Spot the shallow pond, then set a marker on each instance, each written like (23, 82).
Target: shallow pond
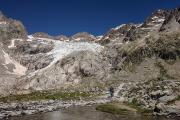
(87, 113)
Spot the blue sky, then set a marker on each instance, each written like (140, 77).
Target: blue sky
(68, 17)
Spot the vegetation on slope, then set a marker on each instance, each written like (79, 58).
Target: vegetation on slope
(119, 108)
(46, 95)
(166, 47)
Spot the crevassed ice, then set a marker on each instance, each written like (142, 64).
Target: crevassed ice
(62, 49)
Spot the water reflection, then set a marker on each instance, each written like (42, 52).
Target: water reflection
(86, 113)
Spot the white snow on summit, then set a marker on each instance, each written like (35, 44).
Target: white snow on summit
(116, 28)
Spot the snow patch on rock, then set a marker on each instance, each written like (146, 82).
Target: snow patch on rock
(30, 37)
(19, 69)
(3, 23)
(116, 28)
(12, 45)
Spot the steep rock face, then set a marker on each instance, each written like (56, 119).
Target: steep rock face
(172, 20)
(134, 39)
(11, 29)
(156, 17)
(76, 71)
(9, 71)
(151, 25)
(130, 56)
(116, 34)
(83, 36)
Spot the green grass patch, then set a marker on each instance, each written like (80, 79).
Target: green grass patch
(110, 108)
(178, 98)
(134, 104)
(119, 108)
(44, 95)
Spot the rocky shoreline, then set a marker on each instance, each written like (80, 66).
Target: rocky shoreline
(27, 108)
(13, 109)
(159, 96)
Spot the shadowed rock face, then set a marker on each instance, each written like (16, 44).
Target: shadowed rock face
(116, 34)
(156, 17)
(172, 21)
(11, 29)
(34, 55)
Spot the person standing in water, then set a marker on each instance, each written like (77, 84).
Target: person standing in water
(111, 91)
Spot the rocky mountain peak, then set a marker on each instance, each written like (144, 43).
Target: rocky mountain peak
(62, 38)
(117, 33)
(157, 17)
(42, 35)
(172, 20)
(83, 36)
(11, 29)
(2, 17)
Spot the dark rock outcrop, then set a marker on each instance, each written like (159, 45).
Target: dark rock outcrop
(172, 20)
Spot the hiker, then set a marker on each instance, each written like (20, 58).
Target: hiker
(111, 91)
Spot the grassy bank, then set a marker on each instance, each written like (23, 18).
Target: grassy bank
(114, 108)
(110, 108)
(118, 108)
(44, 95)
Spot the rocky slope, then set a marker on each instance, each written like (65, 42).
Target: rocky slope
(83, 36)
(144, 57)
(11, 32)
